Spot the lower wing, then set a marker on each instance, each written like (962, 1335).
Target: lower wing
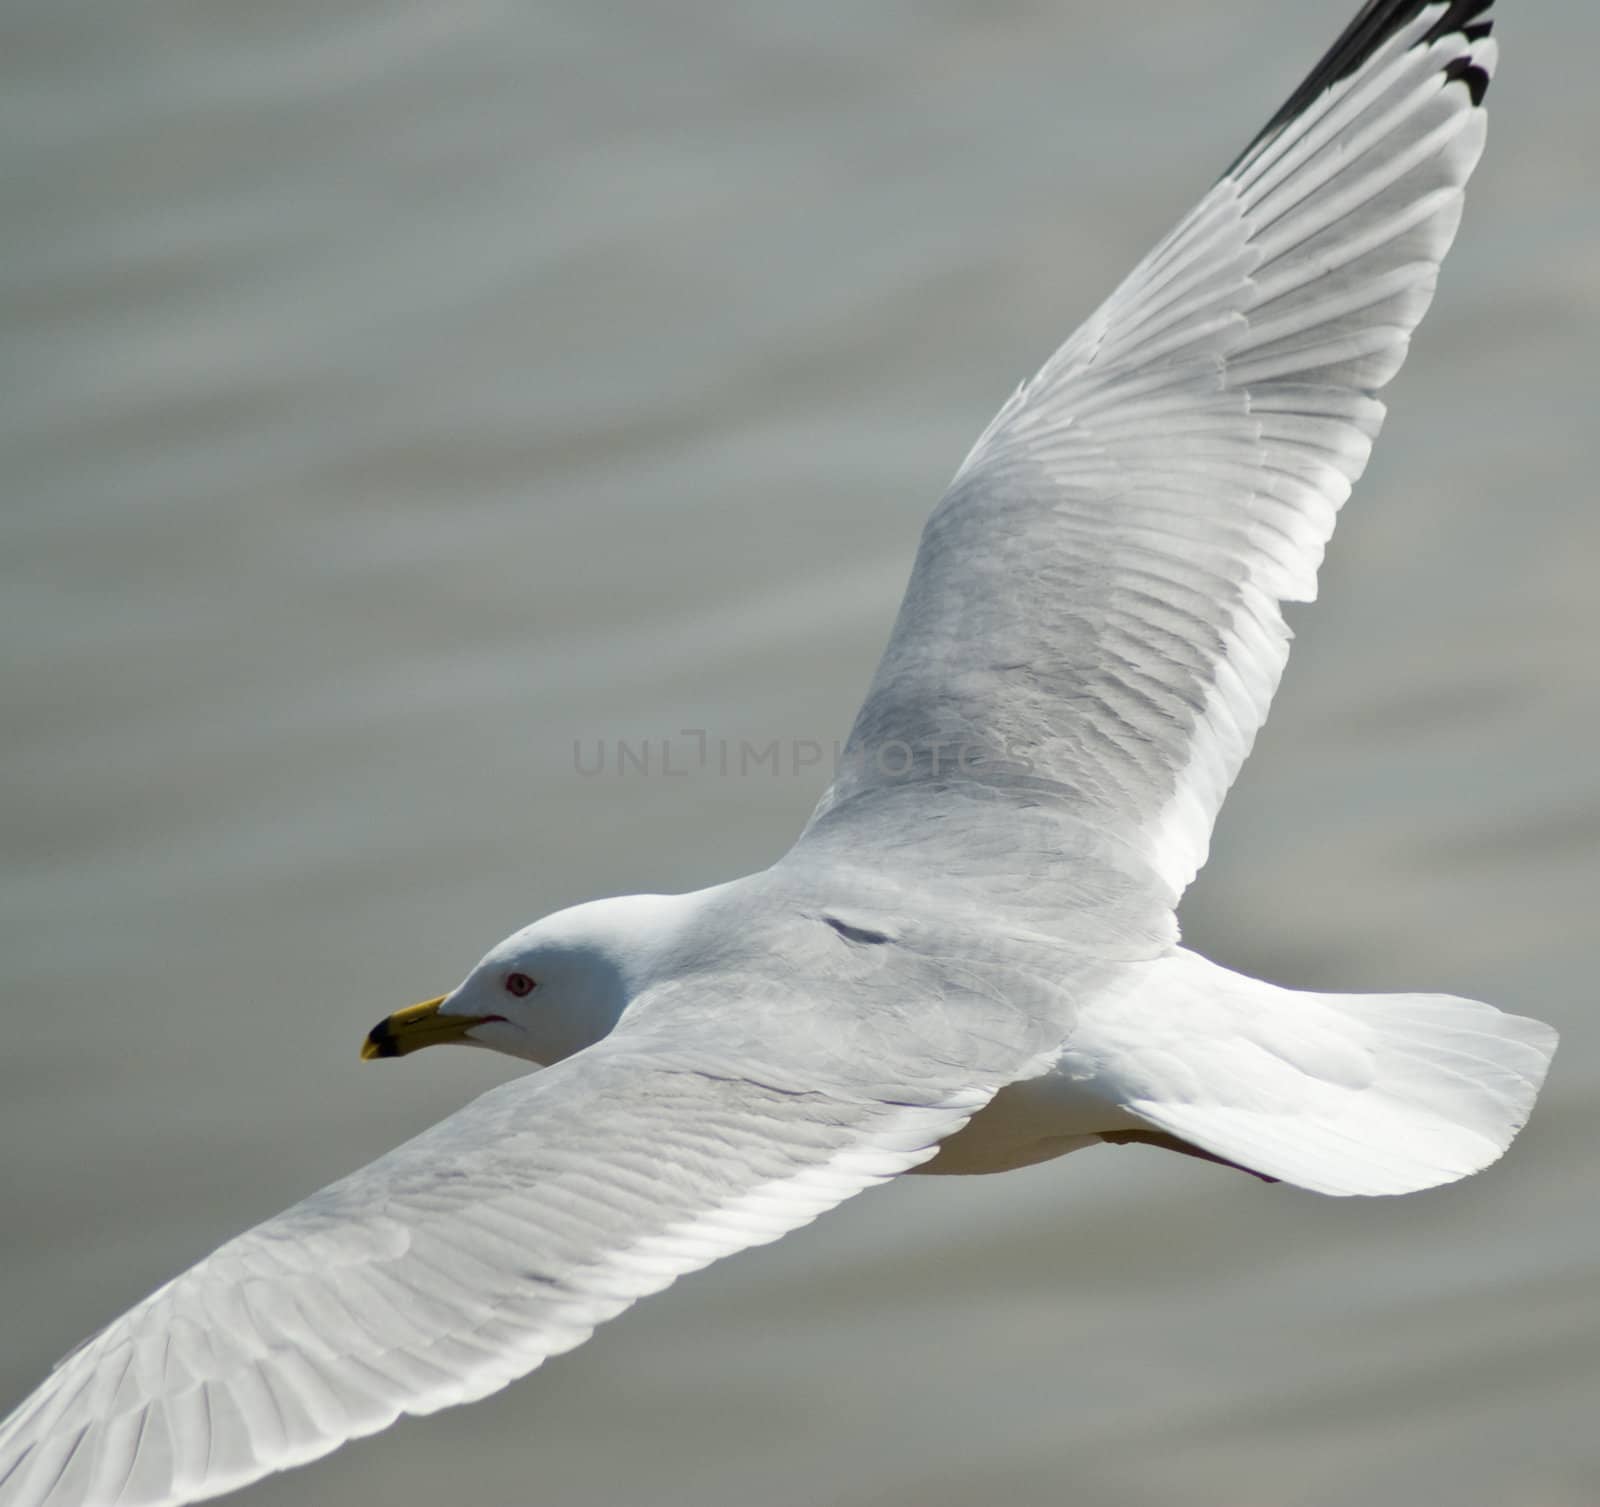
(446, 1269)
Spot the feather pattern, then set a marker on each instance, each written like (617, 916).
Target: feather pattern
(1093, 627)
(450, 1266)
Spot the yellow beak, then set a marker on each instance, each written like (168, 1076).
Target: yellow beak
(415, 1027)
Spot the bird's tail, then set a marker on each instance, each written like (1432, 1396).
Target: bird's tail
(1339, 1093)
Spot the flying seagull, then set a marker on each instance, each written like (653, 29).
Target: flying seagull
(969, 960)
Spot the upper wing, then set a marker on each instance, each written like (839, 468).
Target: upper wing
(446, 1269)
(1092, 628)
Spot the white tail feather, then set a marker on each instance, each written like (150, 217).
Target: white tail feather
(1339, 1093)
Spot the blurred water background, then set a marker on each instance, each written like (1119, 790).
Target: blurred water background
(399, 394)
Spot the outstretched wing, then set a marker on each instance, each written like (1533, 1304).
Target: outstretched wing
(1092, 629)
(446, 1269)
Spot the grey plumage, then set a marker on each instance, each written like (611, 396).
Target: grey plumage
(970, 956)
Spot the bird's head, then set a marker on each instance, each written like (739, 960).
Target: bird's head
(548, 990)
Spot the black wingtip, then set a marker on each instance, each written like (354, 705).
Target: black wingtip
(1469, 73)
(1377, 21)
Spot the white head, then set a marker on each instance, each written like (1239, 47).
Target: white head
(548, 990)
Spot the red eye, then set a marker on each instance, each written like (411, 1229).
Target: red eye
(519, 984)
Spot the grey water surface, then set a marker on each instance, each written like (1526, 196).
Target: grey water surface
(410, 408)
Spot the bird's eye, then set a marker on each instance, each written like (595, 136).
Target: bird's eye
(519, 984)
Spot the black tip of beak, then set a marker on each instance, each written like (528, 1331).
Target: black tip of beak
(380, 1042)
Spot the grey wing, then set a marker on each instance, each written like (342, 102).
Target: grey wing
(1092, 630)
(446, 1269)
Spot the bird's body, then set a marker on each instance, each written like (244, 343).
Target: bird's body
(970, 959)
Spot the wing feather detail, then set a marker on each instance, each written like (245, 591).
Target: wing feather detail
(445, 1270)
(1094, 620)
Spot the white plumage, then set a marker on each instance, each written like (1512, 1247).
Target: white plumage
(456, 1263)
(1106, 569)
(969, 960)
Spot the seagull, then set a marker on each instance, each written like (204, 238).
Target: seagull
(969, 960)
